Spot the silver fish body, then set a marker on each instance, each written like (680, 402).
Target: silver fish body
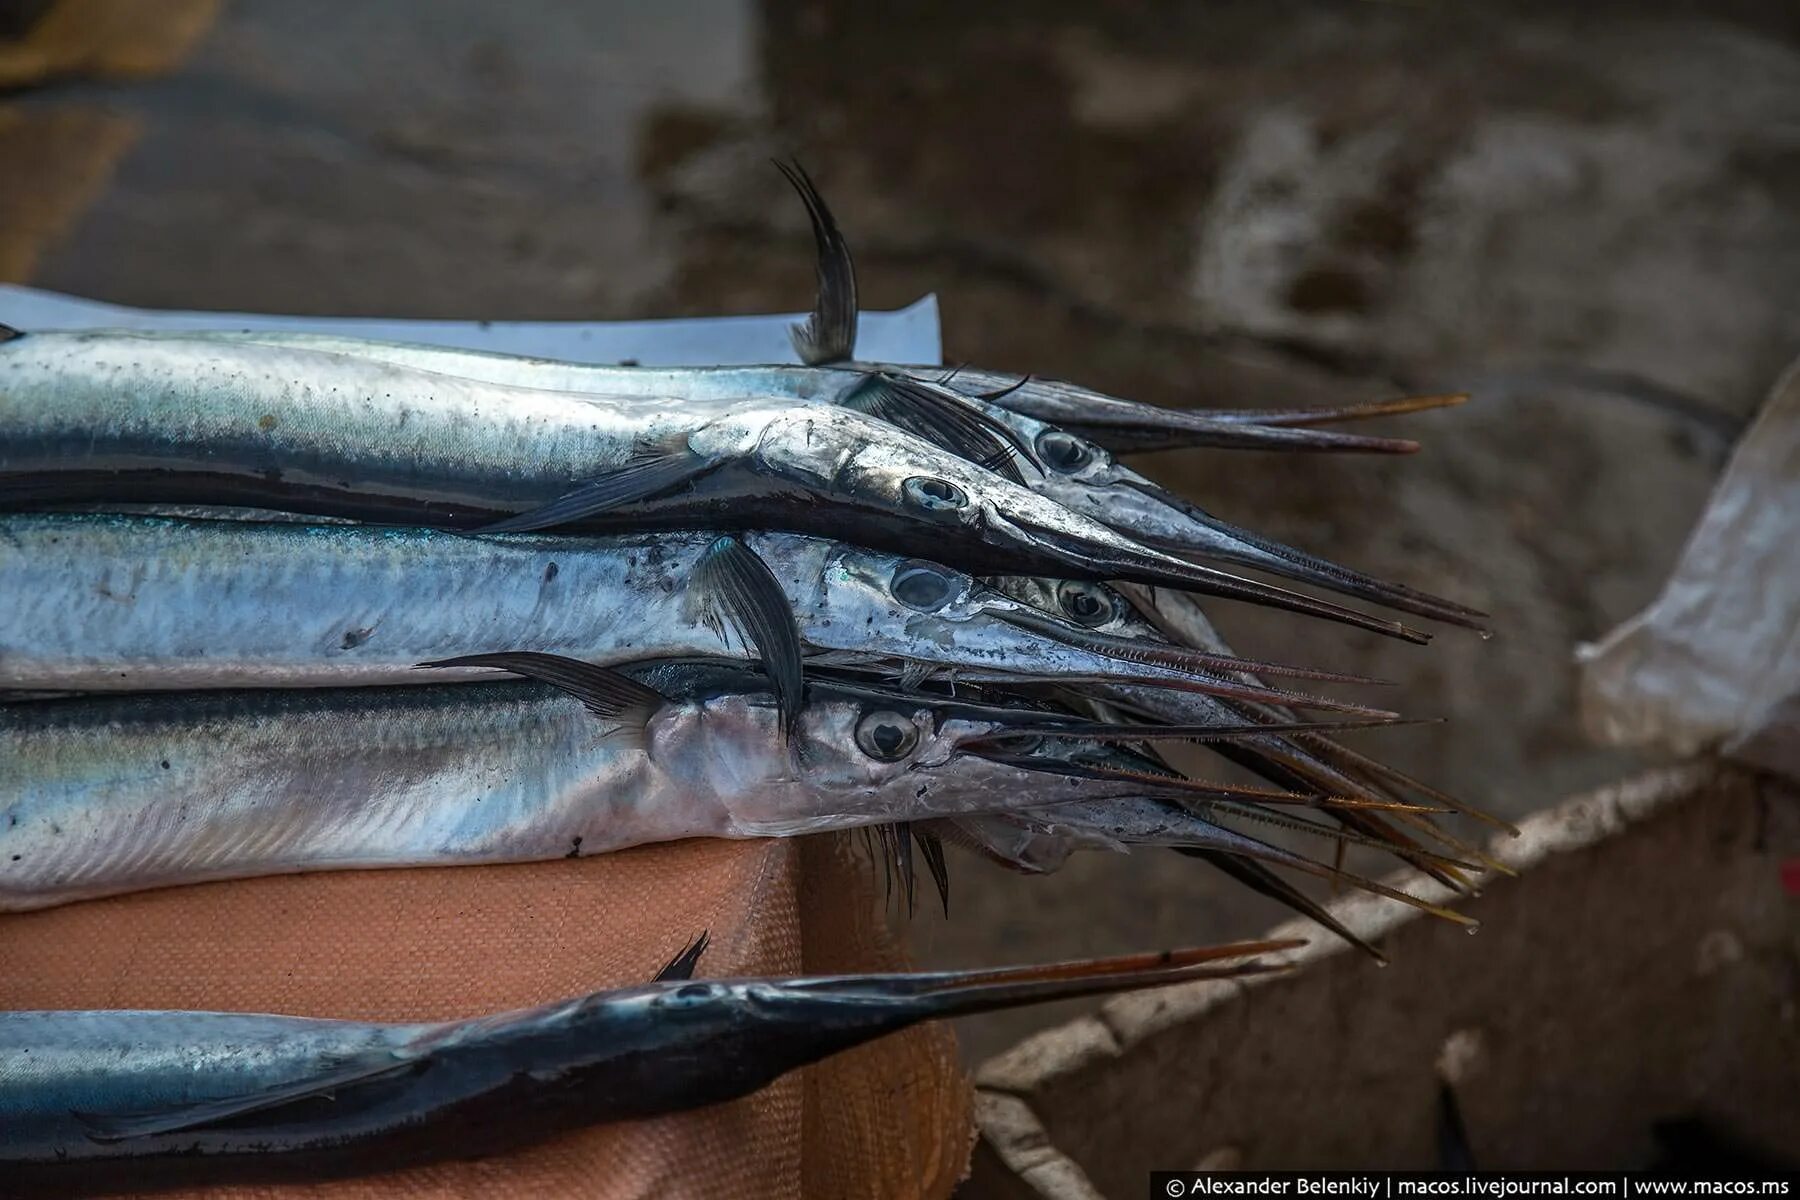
(101, 602)
(1119, 425)
(94, 1102)
(1069, 469)
(108, 417)
(111, 794)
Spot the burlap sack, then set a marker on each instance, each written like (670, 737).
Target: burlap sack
(890, 1119)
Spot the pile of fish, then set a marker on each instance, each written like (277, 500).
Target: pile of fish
(286, 603)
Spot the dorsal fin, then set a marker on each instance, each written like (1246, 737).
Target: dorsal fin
(828, 334)
(683, 964)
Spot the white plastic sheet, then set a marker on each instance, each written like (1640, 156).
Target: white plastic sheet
(1711, 662)
(907, 336)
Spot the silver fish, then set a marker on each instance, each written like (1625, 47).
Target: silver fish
(1063, 466)
(95, 1102)
(1080, 474)
(112, 794)
(132, 603)
(107, 417)
(1060, 465)
(1121, 426)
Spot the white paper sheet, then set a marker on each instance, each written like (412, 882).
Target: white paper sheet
(907, 336)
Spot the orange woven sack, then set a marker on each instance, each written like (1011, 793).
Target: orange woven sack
(889, 1119)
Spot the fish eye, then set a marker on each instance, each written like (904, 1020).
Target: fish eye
(922, 586)
(1064, 451)
(886, 735)
(1085, 603)
(934, 495)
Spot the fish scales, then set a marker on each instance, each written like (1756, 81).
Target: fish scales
(103, 602)
(109, 417)
(103, 795)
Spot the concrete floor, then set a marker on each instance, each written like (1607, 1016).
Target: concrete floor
(1590, 219)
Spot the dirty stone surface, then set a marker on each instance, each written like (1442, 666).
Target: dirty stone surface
(1587, 216)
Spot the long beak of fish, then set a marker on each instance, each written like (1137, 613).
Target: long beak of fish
(1173, 827)
(999, 748)
(979, 725)
(1009, 736)
(958, 993)
(1187, 670)
(1161, 519)
(1362, 410)
(1291, 429)
(1127, 426)
(1119, 557)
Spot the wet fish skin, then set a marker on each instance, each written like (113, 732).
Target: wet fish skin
(98, 416)
(103, 602)
(1071, 470)
(116, 417)
(104, 1101)
(1122, 426)
(102, 795)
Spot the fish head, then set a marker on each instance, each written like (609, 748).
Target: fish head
(913, 485)
(1093, 607)
(931, 603)
(1084, 477)
(886, 591)
(868, 748)
(900, 756)
(943, 621)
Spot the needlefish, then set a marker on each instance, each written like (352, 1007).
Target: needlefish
(102, 602)
(102, 418)
(991, 428)
(93, 1102)
(1057, 464)
(108, 794)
